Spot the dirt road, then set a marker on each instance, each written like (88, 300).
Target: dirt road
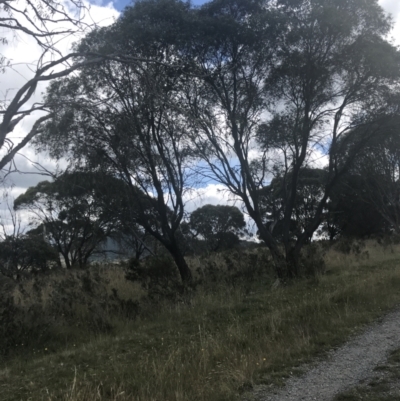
(344, 367)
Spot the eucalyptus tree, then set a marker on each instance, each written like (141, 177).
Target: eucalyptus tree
(349, 213)
(219, 225)
(231, 55)
(336, 86)
(126, 119)
(310, 190)
(378, 171)
(20, 251)
(71, 214)
(28, 253)
(251, 87)
(287, 80)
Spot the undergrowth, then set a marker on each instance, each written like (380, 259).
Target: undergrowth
(236, 330)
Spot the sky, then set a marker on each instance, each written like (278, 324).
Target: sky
(22, 50)
(121, 4)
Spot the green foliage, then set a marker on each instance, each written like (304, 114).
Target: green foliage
(237, 268)
(73, 213)
(30, 253)
(377, 170)
(349, 246)
(350, 214)
(21, 328)
(227, 92)
(227, 340)
(274, 197)
(62, 306)
(158, 275)
(137, 132)
(312, 262)
(219, 225)
(153, 25)
(305, 82)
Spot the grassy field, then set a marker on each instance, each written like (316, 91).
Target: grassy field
(232, 334)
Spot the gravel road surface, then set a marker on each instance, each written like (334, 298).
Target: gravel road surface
(345, 367)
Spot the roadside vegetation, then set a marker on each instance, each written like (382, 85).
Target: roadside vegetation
(93, 335)
(290, 107)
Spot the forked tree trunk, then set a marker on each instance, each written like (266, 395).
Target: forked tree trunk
(278, 258)
(285, 259)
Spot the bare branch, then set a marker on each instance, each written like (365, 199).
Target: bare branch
(34, 131)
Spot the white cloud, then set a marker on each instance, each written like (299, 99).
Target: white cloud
(25, 55)
(22, 50)
(392, 7)
(213, 194)
(216, 194)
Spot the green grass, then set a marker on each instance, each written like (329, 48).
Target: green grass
(228, 339)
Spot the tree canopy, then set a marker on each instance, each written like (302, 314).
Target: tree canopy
(237, 92)
(219, 225)
(310, 189)
(71, 214)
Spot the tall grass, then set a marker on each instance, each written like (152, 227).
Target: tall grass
(230, 337)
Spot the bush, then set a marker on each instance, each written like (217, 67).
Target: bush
(65, 305)
(158, 275)
(312, 262)
(235, 268)
(349, 246)
(22, 328)
(28, 253)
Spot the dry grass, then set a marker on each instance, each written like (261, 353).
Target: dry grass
(103, 278)
(216, 348)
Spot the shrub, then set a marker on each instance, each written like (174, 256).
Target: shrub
(349, 246)
(234, 268)
(65, 305)
(158, 275)
(27, 253)
(312, 261)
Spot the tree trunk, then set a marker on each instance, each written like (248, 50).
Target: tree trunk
(277, 256)
(286, 264)
(66, 260)
(184, 270)
(280, 265)
(292, 261)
